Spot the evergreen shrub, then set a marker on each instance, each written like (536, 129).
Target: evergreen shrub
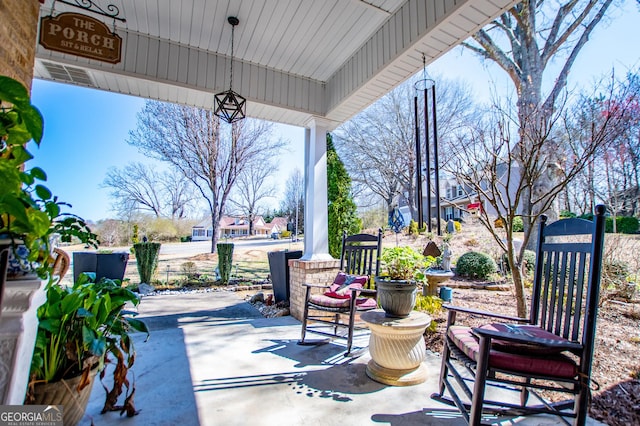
(475, 265)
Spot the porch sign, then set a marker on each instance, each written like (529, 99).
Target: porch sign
(80, 35)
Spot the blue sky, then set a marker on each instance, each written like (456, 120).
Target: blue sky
(86, 129)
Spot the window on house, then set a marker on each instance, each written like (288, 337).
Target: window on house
(448, 213)
(198, 232)
(460, 191)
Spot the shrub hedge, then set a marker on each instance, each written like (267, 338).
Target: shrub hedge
(475, 265)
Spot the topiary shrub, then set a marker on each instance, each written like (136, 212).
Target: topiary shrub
(225, 260)
(475, 265)
(146, 260)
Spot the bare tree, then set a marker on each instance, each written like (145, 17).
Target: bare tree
(141, 187)
(523, 41)
(209, 154)
(501, 170)
(293, 203)
(613, 175)
(253, 186)
(134, 186)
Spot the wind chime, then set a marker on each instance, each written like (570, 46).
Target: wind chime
(426, 89)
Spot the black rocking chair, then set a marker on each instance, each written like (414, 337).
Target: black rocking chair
(348, 295)
(551, 350)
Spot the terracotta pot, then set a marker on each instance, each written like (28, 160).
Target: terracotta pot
(396, 297)
(64, 393)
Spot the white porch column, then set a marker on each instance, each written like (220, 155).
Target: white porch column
(316, 243)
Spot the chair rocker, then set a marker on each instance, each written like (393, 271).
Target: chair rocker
(552, 350)
(336, 305)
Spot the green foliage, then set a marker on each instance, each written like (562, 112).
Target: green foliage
(28, 210)
(624, 224)
(413, 227)
(404, 263)
(566, 214)
(285, 234)
(225, 260)
(343, 214)
(475, 265)
(429, 304)
(147, 260)
(79, 325)
(432, 305)
(517, 225)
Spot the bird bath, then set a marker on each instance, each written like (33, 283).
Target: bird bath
(435, 277)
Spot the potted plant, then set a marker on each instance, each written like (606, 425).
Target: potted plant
(78, 327)
(30, 215)
(402, 270)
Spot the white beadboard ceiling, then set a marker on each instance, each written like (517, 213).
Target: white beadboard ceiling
(293, 59)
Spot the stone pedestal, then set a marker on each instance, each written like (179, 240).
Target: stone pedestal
(18, 328)
(397, 348)
(435, 277)
(312, 272)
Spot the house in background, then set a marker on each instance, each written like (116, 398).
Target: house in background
(276, 226)
(230, 227)
(458, 201)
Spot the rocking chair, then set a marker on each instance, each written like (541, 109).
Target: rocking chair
(551, 350)
(348, 295)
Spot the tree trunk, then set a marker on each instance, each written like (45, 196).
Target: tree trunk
(215, 224)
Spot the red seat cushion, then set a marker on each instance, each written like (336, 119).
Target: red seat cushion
(524, 348)
(362, 303)
(556, 365)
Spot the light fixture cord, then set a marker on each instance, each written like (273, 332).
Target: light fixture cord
(233, 27)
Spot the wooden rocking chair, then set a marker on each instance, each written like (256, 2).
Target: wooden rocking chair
(551, 350)
(349, 294)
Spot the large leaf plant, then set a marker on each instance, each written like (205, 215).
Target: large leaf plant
(80, 326)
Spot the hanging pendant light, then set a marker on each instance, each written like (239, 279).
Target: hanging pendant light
(229, 105)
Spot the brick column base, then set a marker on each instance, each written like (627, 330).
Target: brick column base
(308, 271)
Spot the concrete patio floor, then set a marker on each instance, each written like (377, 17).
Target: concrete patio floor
(212, 359)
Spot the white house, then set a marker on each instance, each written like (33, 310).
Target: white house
(230, 227)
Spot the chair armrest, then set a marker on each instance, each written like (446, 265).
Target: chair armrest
(484, 313)
(525, 337)
(365, 291)
(316, 285)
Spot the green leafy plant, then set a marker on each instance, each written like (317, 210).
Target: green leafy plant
(78, 327)
(404, 263)
(225, 261)
(30, 214)
(146, 260)
(413, 227)
(517, 225)
(475, 265)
